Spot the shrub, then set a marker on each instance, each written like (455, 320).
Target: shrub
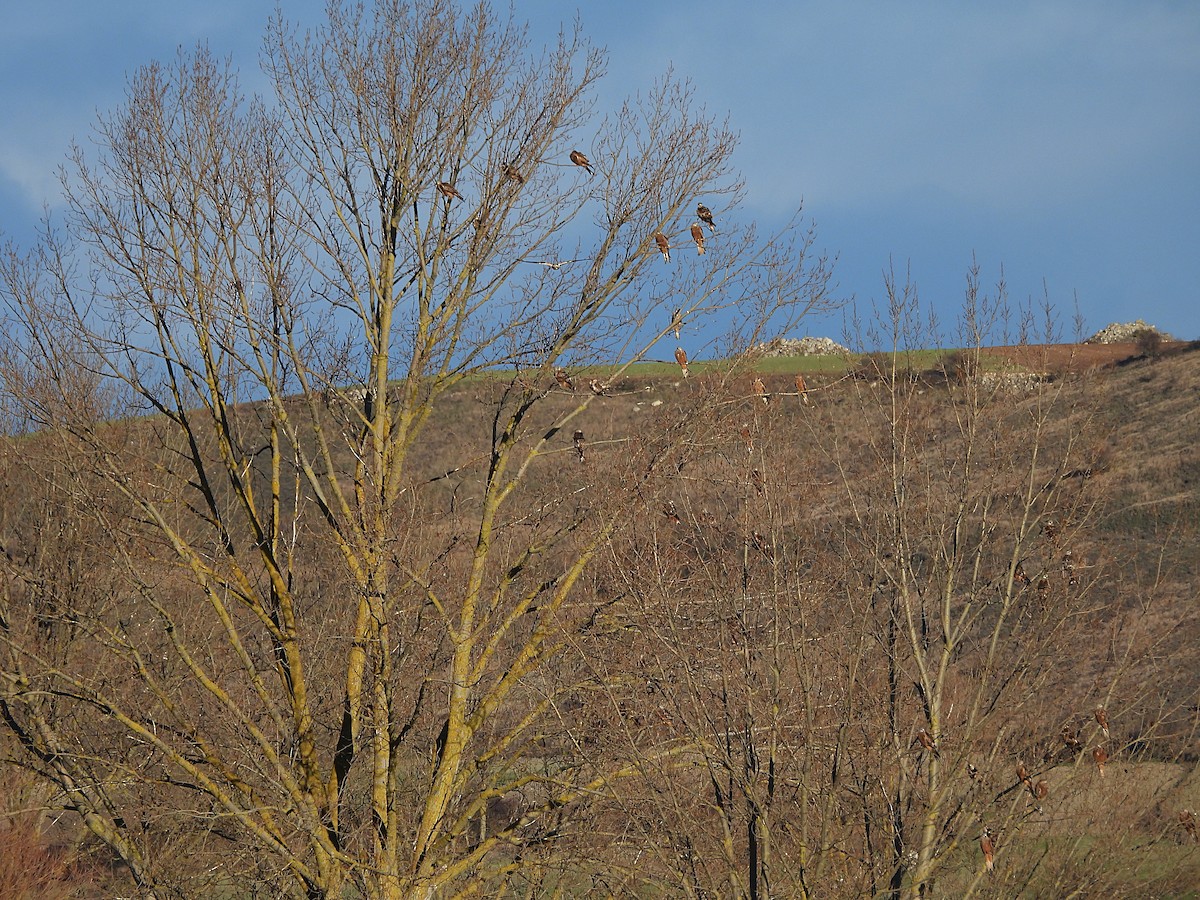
(1149, 343)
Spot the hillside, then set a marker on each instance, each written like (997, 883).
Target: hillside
(806, 610)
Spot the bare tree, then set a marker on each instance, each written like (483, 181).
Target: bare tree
(869, 622)
(318, 660)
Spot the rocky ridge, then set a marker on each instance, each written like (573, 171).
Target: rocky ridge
(805, 346)
(1123, 333)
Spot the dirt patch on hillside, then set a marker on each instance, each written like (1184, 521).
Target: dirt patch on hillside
(1066, 357)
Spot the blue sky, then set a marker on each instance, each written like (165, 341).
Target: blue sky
(1058, 139)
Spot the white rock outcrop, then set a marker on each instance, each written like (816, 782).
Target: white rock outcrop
(805, 346)
(1123, 333)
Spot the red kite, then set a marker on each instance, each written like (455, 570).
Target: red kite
(802, 388)
(1069, 738)
(560, 375)
(988, 846)
(664, 246)
(598, 387)
(760, 390)
(1041, 789)
(582, 161)
(1023, 775)
(681, 358)
(677, 322)
(698, 237)
(577, 442)
(1102, 719)
(705, 215)
(925, 739)
(1187, 819)
(1100, 755)
(446, 189)
(514, 173)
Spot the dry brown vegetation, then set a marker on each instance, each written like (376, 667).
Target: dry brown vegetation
(326, 572)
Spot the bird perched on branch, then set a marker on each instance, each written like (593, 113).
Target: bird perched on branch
(564, 381)
(677, 322)
(513, 173)
(1187, 819)
(681, 358)
(577, 442)
(664, 246)
(1100, 755)
(926, 740)
(802, 388)
(1041, 789)
(705, 215)
(1023, 776)
(597, 387)
(698, 237)
(1102, 719)
(1071, 740)
(760, 391)
(447, 190)
(988, 846)
(582, 161)
(756, 477)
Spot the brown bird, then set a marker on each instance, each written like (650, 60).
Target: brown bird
(671, 512)
(705, 215)
(1020, 576)
(1187, 819)
(577, 442)
(760, 390)
(925, 739)
(582, 161)
(677, 322)
(681, 358)
(597, 387)
(514, 174)
(1102, 719)
(1041, 789)
(1023, 775)
(761, 545)
(1073, 743)
(560, 375)
(698, 237)
(988, 846)
(1100, 755)
(664, 246)
(802, 388)
(748, 438)
(759, 485)
(446, 189)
